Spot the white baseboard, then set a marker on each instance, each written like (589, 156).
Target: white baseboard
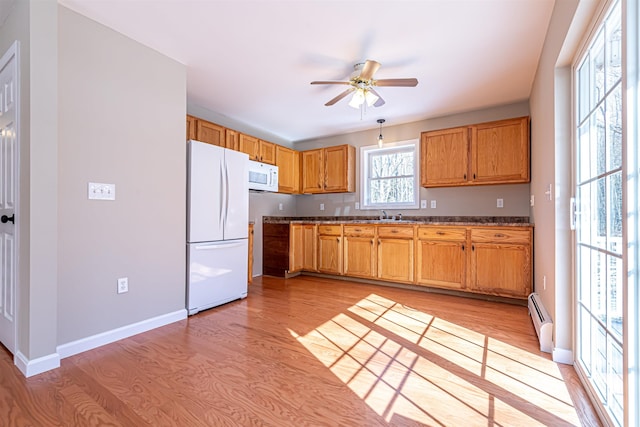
(562, 355)
(88, 343)
(37, 366)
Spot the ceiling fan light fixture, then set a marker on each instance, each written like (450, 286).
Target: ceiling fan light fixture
(357, 99)
(370, 97)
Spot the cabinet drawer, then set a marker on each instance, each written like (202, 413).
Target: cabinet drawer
(442, 233)
(397, 231)
(331, 230)
(359, 230)
(499, 235)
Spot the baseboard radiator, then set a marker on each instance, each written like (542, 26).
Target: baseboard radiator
(542, 322)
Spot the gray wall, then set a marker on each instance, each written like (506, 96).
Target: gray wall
(121, 116)
(460, 201)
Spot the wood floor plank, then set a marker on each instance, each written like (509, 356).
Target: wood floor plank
(311, 351)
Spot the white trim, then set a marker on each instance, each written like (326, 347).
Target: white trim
(562, 355)
(37, 366)
(89, 343)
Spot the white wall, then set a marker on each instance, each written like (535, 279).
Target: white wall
(121, 120)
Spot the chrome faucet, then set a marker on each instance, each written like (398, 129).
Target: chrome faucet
(383, 215)
(399, 216)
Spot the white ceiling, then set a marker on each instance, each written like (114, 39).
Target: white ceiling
(252, 60)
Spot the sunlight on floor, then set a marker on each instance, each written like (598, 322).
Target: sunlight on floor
(404, 362)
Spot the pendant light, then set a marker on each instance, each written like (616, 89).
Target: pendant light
(380, 139)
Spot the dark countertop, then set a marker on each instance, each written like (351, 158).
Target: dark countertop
(511, 221)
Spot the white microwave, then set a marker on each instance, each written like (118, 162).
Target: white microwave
(263, 177)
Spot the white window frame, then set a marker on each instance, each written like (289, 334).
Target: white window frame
(366, 152)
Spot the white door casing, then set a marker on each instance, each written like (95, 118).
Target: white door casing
(9, 150)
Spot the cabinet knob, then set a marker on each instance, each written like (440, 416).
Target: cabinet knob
(463, 247)
(440, 233)
(338, 239)
(499, 235)
(465, 176)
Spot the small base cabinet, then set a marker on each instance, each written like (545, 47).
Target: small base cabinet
(395, 253)
(330, 249)
(441, 257)
(360, 251)
(501, 261)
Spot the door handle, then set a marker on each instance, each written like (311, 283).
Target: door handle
(6, 219)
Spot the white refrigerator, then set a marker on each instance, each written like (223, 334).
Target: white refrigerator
(217, 225)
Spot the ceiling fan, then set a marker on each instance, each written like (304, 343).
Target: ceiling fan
(362, 83)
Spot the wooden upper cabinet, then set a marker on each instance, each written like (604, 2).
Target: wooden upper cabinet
(444, 157)
(340, 169)
(232, 140)
(313, 171)
(210, 133)
(191, 127)
(250, 145)
(487, 153)
(329, 170)
(267, 152)
(288, 162)
(500, 151)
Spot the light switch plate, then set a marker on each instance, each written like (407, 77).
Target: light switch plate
(100, 191)
(433, 204)
(357, 205)
(321, 206)
(500, 203)
(423, 204)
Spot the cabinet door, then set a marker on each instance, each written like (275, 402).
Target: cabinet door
(330, 254)
(444, 157)
(309, 261)
(191, 127)
(232, 139)
(296, 247)
(210, 133)
(395, 259)
(441, 264)
(500, 151)
(267, 152)
(288, 162)
(359, 256)
(313, 171)
(251, 146)
(501, 269)
(339, 169)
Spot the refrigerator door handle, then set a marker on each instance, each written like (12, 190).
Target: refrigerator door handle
(223, 190)
(215, 246)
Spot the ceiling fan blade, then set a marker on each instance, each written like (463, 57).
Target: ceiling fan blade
(339, 97)
(330, 82)
(396, 82)
(380, 101)
(369, 69)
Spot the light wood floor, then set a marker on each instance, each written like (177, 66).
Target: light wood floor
(312, 352)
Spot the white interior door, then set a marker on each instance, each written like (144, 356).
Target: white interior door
(8, 194)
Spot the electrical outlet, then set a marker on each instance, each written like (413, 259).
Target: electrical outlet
(544, 282)
(357, 205)
(423, 204)
(321, 206)
(500, 203)
(123, 285)
(280, 207)
(433, 204)
(532, 200)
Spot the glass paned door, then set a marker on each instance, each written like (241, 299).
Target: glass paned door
(599, 226)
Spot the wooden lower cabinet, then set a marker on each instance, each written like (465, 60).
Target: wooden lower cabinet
(330, 249)
(501, 261)
(360, 251)
(441, 257)
(395, 253)
(484, 259)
